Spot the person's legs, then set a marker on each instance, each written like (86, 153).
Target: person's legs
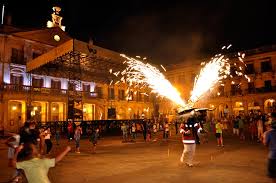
(221, 140)
(183, 153)
(77, 145)
(48, 146)
(191, 152)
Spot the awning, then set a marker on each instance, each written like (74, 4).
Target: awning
(74, 55)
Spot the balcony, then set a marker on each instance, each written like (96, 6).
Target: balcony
(10, 88)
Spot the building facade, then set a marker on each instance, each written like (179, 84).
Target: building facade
(234, 95)
(47, 95)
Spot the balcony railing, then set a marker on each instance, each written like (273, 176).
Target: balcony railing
(47, 91)
(261, 90)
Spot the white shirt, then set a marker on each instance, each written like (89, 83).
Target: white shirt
(48, 135)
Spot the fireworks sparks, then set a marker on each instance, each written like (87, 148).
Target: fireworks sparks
(140, 74)
(213, 72)
(209, 76)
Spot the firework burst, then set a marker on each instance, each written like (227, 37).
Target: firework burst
(139, 74)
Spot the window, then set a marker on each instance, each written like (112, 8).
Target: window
(250, 69)
(266, 66)
(111, 94)
(99, 91)
(16, 80)
(37, 82)
(55, 84)
(121, 94)
(86, 87)
(251, 87)
(268, 86)
(17, 56)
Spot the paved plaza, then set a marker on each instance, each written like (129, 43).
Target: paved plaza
(156, 162)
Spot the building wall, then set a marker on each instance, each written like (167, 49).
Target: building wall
(49, 104)
(229, 102)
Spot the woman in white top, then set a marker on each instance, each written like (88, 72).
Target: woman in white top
(48, 141)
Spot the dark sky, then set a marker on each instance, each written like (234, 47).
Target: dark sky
(164, 31)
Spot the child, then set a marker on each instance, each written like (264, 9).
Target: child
(219, 127)
(36, 169)
(12, 143)
(94, 139)
(77, 136)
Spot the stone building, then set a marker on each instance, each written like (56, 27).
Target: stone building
(34, 82)
(235, 95)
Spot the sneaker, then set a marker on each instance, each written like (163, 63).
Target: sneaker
(78, 152)
(189, 165)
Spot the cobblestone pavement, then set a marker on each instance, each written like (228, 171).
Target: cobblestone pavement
(237, 162)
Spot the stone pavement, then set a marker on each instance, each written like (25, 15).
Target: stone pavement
(238, 162)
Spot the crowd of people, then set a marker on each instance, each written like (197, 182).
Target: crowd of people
(31, 146)
(29, 150)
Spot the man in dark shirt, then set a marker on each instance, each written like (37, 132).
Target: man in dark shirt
(270, 141)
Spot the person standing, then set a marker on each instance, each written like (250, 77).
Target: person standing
(260, 128)
(124, 131)
(188, 132)
(48, 141)
(270, 142)
(219, 127)
(77, 137)
(144, 129)
(94, 139)
(154, 129)
(167, 131)
(241, 128)
(236, 126)
(69, 130)
(133, 132)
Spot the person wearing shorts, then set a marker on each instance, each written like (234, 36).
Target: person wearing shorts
(219, 127)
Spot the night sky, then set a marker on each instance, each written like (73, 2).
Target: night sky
(164, 31)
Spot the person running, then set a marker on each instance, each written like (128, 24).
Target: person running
(270, 142)
(77, 137)
(35, 168)
(94, 139)
(219, 127)
(48, 142)
(188, 132)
